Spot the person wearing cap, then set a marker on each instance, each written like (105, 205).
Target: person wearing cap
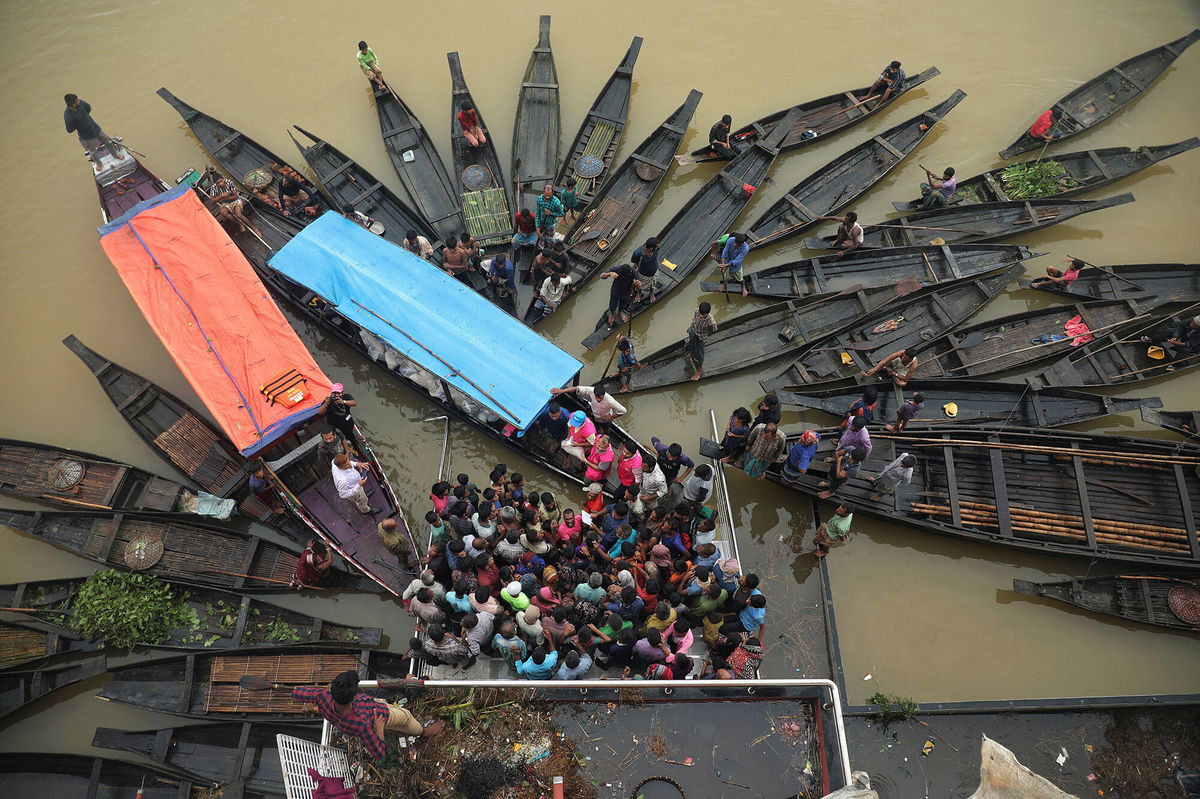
(898, 471)
(890, 81)
(835, 528)
(800, 456)
(361, 219)
(595, 499)
(846, 463)
(581, 434)
(1060, 278)
(604, 406)
(703, 325)
(417, 244)
(732, 255)
(514, 597)
(938, 192)
(906, 412)
(850, 234)
(620, 294)
(368, 62)
(718, 138)
(906, 363)
(336, 410)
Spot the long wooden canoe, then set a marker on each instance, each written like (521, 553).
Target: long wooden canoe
(238, 757)
(205, 686)
(1086, 170)
(349, 184)
(600, 134)
(762, 335)
(846, 178)
(903, 323)
(1095, 496)
(225, 620)
(242, 158)
(478, 177)
(178, 435)
(1159, 283)
(124, 186)
(36, 640)
(193, 553)
(927, 264)
(77, 479)
(983, 222)
(624, 197)
(1024, 405)
(418, 165)
(1143, 598)
(690, 237)
(57, 774)
(824, 117)
(1119, 357)
(536, 129)
(1185, 423)
(1014, 342)
(21, 687)
(1106, 94)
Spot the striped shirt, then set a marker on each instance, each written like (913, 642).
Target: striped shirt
(359, 722)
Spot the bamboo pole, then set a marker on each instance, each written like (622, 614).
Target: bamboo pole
(1139, 331)
(1092, 331)
(943, 442)
(943, 229)
(1152, 368)
(1104, 270)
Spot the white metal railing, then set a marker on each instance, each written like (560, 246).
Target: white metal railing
(723, 504)
(297, 756)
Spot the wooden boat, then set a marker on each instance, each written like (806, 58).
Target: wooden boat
(418, 165)
(903, 323)
(1119, 357)
(600, 134)
(1086, 170)
(1014, 342)
(226, 620)
(192, 553)
(479, 179)
(122, 183)
(238, 757)
(846, 178)
(205, 686)
(624, 197)
(20, 687)
(33, 640)
(1106, 94)
(536, 128)
(1159, 283)
(176, 433)
(760, 336)
(349, 184)
(690, 237)
(1144, 598)
(976, 401)
(983, 222)
(1115, 498)
(59, 774)
(77, 479)
(927, 264)
(1185, 423)
(251, 165)
(824, 117)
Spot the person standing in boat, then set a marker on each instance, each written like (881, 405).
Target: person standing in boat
(336, 410)
(864, 406)
(368, 62)
(898, 471)
(846, 463)
(938, 192)
(733, 254)
(78, 119)
(525, 233)
(718, 138)
(764, 446)
(469, 121)
(906, 366)
(350, 480)
(313, 566)
(454, 263)
(620, 294)
(647, 261)
(417, 245)
(549, 211)
(849, 235)
(604, 406)
(569, 200)
(906, 412)
(702, 326)
(890, 81)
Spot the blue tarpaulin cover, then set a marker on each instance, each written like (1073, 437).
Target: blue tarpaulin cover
(413, 305)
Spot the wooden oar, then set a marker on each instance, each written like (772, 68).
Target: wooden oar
(252, 682)
(1105, 271)
(851, 107)
(251, 577)
(65, 612)
(943, 229)
(1091, 331)
(1141, 330)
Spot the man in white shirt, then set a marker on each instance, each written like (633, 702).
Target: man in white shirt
(697, 487)
(654, 483)
(604, 406)
(349, 483)
(552, 291)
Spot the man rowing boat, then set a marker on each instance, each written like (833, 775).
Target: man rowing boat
(890, 81)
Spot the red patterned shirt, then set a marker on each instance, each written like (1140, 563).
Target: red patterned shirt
(359, 722)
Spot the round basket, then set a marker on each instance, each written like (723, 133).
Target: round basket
(258, 178)
(476, 177)
(658, 788)
(647, 172)
(143, 551)
(1184, 602)
(66, 473)
(589, 166)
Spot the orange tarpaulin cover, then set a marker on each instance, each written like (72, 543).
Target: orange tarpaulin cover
(213, 314)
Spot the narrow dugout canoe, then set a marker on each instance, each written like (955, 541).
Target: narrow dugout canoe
(1024, 405)
(901, 324)
(238, 757)
(624, 197)
(1185, 423)
(1086, 170)
(1157, 283)
(846, 178)
(226, 620)
(206, 686)
(1116, 498)
(600, 134)
(690, 237)
(824, 117)
(20, 687)
(122, 184)
(1150, 598)
(1106, 94)
(85, 777)
(536, 128)
(34, 640)
(192, 553)
(928, 264)
(983, 222)
(477, 175)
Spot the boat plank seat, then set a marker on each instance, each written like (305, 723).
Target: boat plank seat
(1148, 601)
(1095, 159)
(134, 396)
(94, 778)
(887, 145)
(296, 454)
(114, 527)
(1137, 84)
(649, 161)
(328, 176)
(801, 207)
(528, 85)
(366, 193)
(1000, 491)
(1085, 505)
(160, 494)
(225, 142)
(1185, 501)
(243, 617)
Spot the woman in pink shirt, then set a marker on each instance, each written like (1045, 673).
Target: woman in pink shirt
(440, 496)
(599, 461)
(629, 470)
(581, 434)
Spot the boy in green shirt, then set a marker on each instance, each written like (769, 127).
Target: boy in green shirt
(369, 63)
(835, 529)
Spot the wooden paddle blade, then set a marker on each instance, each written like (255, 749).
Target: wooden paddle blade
(253, 682)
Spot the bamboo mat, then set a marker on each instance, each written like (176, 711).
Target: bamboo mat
(19, 645)
(225, 695)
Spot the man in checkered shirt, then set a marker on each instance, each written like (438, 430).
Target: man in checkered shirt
(360, 715)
